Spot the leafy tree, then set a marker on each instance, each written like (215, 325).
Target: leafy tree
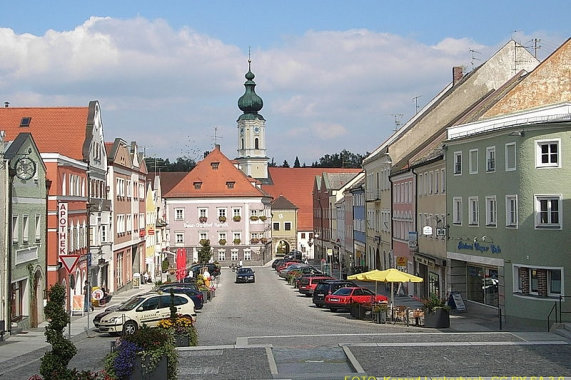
(205, 252)
(54, 363)
(272, 163)
(285, 164)
(344, 159)
(296, 163)
(182, 164)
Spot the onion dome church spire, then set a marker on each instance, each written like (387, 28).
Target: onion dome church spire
(250, 103)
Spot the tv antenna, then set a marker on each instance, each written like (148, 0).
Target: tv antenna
(473, 57)
(397, 117)
(416, 103)
(216, 137)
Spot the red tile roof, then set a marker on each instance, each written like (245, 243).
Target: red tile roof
(296, 184)
(55, 129)
(217, 176)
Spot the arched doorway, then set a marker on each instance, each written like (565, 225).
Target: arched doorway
(37, 299)
(282, 248)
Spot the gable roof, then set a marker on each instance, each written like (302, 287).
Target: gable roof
(60, 130)
(215, 176)
(296, 184)
(282, 203)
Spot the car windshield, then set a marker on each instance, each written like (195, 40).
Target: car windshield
(245, 271)
(343, 292)
(129, 305)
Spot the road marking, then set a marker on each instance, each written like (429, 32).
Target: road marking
(438, 344)
(352, 360)
(271, 361)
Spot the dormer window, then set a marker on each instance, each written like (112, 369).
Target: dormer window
(230, 185)
(214, 165)
(197, 185)
(25, 122)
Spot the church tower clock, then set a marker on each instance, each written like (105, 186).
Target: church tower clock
(252, 132)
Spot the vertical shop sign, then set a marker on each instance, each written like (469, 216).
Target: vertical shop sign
(62, 229)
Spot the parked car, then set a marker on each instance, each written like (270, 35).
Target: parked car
(245, 275)
(146, 309)
(327, 287)
(307, 284)
(283, 273)
(294, 255)
(190, 285)
(277, 262)
(299, 272)
(286, 264)
(342, 298)
(213, 269)
(108, 310)
(195, 295)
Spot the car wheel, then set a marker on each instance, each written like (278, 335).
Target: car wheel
(320, 306)
(129, 328)
(333, 309)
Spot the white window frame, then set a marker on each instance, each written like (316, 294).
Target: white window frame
(473, 154)
(179, 238)
(491, 161)
(508, 153)
(473, 211)
(179, 214)
(202, 212)
(511, 211)
(491, 211)
(443, 179)
(538, 153)
(234, 255)
(537, 211)
(38, 230)
(457, 163)
(236, 211)
(457, 211)
(25, 229)
(221, 254)
(247, 254)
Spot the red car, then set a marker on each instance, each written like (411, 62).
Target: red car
(307, 284)
(343, 298)
(285, 265)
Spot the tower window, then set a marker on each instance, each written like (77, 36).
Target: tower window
(256, 144)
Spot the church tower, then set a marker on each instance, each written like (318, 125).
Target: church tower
(252, 132)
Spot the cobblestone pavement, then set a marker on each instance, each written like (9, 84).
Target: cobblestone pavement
(266, 330)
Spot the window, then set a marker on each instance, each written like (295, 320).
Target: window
(473, 219)
(547, 155)
(202, 236)
(230, 184)
(222, 212)
(103, 233)
(491, 211)
(38, 230)
(221, 254)
(276, 226)
(511, 211)
(25, 228)
(237, 236)
(287, 226)
(537, 281)
(303, 235)
(510, 157)
(430, 177)
(179, 237)
(547, 211)
(554, 281)
(236, 212)
(457, 210)
(420, 184)
(234, 255)
(473, 161)
(203, 212)
(221, 236)
(178, 214)
(129, 189)
(443, 179)
(247, 255)
(197, 185)
(215, 165)
(436, 181)
(457, 163)
(491, 159)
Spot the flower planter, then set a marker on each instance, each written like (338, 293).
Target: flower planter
(437, 318)
(205, 295)
(160, 372)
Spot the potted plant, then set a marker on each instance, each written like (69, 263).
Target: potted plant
(148, 353)
(204, 242)
(236, 241)
(181, 329)
(236, 218)
(254, 241)
(254, 218)
(437, 312)
(203, 219)
(380, 312)
(263, 240)
(263, 218)
(222, 241)
(221, 218)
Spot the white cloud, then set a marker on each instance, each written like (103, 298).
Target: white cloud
(159, 86)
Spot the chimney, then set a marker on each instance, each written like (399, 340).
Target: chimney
(457, 74)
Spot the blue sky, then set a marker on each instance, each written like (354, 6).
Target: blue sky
(333, 74)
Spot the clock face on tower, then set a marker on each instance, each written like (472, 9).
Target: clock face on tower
(256, 130)
(25, 168)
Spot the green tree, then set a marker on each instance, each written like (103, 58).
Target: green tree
(54, 362)
(285, 164)
(344, 159)
(205, 252)
(296, 163)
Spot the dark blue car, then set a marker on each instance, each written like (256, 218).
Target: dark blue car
(192, 293)
(245, 275)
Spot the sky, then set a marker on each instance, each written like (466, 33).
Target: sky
(333, 75)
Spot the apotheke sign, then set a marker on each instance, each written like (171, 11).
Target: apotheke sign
(62, 229)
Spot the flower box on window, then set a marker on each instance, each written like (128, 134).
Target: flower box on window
(263, 240)
(222, 219)
(236, 218)
(222, 241)
(263, 218)
(254, 241)
(202, 219)
(204, 242)
(236, 241)
(254, 218)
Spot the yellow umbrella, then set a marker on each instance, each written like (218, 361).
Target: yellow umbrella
(391, 275)
(363, 276)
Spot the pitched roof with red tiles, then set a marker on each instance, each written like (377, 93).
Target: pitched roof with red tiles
(55, 129)
(296, 184)
(215, 176)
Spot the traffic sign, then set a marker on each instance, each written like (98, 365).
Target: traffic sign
(69, 262)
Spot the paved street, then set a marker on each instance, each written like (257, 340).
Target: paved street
(266, 330)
